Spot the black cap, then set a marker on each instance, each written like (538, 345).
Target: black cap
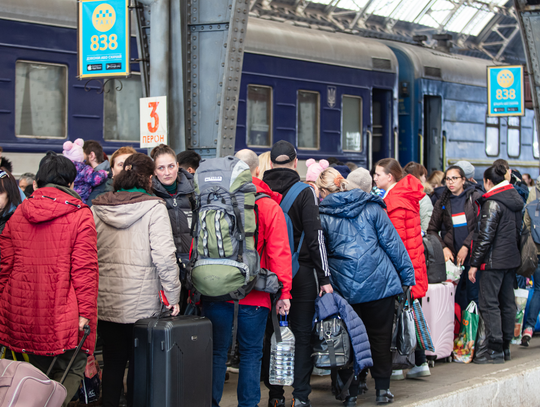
(282, 147)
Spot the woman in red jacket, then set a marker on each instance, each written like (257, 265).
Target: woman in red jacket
(402, 198)
(49, 274)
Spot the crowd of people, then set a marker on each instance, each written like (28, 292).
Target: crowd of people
(107, 234)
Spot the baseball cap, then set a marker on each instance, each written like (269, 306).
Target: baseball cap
(282, 147)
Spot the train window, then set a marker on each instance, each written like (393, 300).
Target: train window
(514, 136)
(40, 100)
(308, 119)
(493, 130)
(351, 122)
(536, 150)
(121, 115)
(259, 116)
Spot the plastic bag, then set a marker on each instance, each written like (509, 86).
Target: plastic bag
(453, 272)
(90, 385)
(404, 336)
(521, 303)
(465, 342)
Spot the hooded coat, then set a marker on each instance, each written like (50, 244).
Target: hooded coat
(403, 207)
(49, 274)
(496, 246)
(136, 255)
(367, 258)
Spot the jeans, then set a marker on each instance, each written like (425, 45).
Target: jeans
(304, 291)
(251, 327)
(498, 306)
(117, 352)
(534, 306)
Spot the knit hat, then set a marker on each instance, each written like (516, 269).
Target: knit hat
(74, 151)
(315, 168)
(360, 179)
(467, 168)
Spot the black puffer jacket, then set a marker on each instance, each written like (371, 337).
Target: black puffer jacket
(441, 220)
(496, 246)
(179, 207)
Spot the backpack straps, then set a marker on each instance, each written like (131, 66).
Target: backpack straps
(291, 196)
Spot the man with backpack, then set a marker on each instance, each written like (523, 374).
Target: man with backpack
(310, 265)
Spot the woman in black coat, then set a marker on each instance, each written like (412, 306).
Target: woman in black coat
(496, 250)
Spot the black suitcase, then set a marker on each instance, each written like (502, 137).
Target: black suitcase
(173, 362)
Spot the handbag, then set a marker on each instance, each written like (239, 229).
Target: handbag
(423, 333)
(404, 335)
(331, 344)
(267, 282)
(400, 362)
(529, 257)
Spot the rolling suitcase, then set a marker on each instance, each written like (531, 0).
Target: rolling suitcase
(173, 362)
(438, 307)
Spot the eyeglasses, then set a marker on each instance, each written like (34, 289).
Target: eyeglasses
(451, 180)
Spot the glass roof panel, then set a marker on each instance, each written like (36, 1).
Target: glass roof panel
(461, 18)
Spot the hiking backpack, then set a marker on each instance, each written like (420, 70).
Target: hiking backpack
(224, 259)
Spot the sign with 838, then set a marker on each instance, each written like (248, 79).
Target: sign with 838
(505, 90)
(103, 38)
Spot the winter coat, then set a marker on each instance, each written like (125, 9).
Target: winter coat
(367, 258)
(87, 179)
(106, 186)
(304, 214)
(136, 255)
(332, 304)
(496, 246)
(49, 274)
(403, 207)
(441, 220)
(534, 192)
(426, 211)
(272, 244)
(179, 208)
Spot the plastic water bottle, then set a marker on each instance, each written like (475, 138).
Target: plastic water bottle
(282, 357)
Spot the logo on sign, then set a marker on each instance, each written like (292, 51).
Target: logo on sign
(505, 78)
(104, 17)
(213, 179)
(331, 97)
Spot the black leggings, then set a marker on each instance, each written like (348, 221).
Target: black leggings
(117, 352)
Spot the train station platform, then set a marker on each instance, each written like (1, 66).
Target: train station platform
(514, 383)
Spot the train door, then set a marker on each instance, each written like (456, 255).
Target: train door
(381, 125)
(431, 140)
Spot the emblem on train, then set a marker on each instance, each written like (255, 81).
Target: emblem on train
(505, 78)
(331, 97)
(104, 17)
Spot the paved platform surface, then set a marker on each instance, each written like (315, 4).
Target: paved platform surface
(514, 383)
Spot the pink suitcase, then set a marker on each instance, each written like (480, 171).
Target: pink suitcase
(438, 308)
(23, 385)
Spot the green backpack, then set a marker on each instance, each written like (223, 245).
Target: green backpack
(224, 261)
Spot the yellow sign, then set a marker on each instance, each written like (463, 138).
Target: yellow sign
(104, 17)
(505, 78)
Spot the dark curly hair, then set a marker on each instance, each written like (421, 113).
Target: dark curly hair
(447, 193)
(55, 169)
(8, 184)
(137, 172)
(495, 173)
(161, 150)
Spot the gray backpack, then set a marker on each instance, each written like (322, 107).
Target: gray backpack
(225, 262)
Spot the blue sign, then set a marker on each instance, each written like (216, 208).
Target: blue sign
(103, 35)
(505, 91)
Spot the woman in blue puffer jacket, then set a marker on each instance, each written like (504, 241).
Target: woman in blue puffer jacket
(369, 265)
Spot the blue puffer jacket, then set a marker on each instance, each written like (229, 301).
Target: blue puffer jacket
(364, 248)
(332, 304)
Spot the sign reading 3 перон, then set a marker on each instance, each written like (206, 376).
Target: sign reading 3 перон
(505, 91)
(103, 38)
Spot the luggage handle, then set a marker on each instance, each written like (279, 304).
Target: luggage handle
(77, 350)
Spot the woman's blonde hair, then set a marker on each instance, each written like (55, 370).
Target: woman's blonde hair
(332, 181)
(264, 163)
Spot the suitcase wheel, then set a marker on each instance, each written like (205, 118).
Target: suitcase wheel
(431, 363)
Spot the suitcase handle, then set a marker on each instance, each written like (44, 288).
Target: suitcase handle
(77, 350)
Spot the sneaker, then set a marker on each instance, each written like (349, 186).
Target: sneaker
(384, 397)
(490, 356)
(234, 365)
(397, 375)
(300, 403)
(419, 371)
(276, 403)
(527, 335)
(350, 401)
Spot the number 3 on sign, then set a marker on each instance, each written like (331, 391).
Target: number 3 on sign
(153, 115)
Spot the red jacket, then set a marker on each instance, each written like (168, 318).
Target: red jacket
(403, 206)
(272, 245)
(48, 275)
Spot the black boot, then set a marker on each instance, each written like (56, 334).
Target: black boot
(506, 351)
(384, 397)
(350, 401)
(490, 356)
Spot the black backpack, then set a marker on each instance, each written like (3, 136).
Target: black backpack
(436, 266)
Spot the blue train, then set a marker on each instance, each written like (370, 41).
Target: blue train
(330, 94)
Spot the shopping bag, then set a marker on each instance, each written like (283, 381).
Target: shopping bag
(521, 302)
(90, 385)
(465, 342)
(423, 333)
(404, 336)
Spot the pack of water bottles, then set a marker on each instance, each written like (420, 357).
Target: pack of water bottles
(282, 356)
